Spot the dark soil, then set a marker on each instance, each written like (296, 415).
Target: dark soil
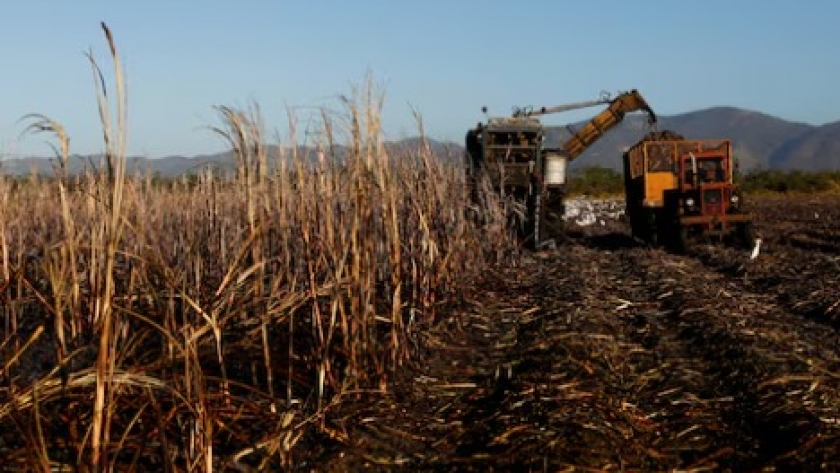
(606, 355)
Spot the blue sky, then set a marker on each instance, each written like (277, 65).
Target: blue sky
(444, 58)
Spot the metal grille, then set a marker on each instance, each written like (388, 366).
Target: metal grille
(713, 196)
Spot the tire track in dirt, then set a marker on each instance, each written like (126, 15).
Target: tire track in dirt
(653, 361)
(805, 283)
(757, 357)
(606, 355)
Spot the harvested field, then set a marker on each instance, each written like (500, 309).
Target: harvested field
(605, 355)
(354, 307)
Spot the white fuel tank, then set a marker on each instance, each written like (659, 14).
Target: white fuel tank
(555, 170)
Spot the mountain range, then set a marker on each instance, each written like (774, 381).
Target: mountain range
(760, 142)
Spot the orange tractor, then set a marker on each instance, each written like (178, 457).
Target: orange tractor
(678, 189)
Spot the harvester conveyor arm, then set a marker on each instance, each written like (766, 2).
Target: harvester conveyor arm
(596, 128)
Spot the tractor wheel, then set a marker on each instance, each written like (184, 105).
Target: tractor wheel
(679, 238)
(745, 235)
(654, 230)
(640, 225)
(654, 236)
(534, 227)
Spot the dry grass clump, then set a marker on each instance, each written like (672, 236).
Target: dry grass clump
(214, 321)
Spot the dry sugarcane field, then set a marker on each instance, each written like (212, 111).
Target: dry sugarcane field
(326, 310)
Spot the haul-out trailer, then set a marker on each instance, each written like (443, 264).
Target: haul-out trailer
(678, 189)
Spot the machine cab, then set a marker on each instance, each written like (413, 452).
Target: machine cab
(706, 183)
(704, 170)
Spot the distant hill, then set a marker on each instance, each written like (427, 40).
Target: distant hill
(817, 148)
(171, 166)
(760, 141)
(755, 136)
(167, 166)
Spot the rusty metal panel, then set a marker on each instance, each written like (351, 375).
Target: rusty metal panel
(637, 165)
(510, 174)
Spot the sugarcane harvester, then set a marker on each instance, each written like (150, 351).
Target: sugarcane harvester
(509, 154)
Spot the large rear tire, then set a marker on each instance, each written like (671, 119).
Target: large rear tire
(654, 229)
(679, 237)
(745, 235)
(534, 228)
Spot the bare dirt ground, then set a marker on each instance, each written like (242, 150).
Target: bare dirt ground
(606, 355)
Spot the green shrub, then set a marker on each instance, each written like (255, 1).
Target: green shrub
(790, 181)
(596, 181)
(602, 181)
